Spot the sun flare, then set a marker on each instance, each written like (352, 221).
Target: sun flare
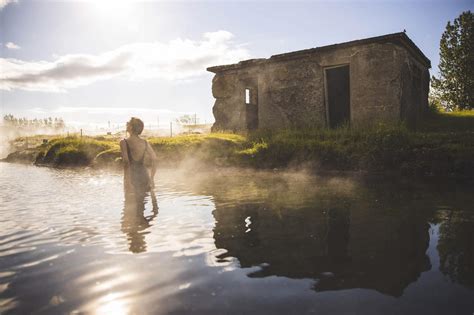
(112, 8)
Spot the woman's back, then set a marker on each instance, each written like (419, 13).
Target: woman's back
(140, 148)
(137, 148)
(135, 166)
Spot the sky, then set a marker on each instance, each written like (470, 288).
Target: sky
(91, 62)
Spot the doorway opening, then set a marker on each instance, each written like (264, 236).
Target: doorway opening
(338, 96)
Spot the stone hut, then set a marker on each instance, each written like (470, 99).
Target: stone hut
(378, 79)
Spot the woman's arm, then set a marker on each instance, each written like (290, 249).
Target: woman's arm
(123, 148)
(153, 161)
(126, 165)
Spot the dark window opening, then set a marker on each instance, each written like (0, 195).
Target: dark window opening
(251, 105)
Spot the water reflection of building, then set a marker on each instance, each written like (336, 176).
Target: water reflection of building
(343, 246)
(344, 232)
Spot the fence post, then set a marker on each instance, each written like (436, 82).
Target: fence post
(171, 128)
(81, 133)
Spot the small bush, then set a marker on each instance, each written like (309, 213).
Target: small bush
(71, 150)
(111, 157)
(71, 156)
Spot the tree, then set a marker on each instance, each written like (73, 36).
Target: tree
(185, 120)
(11, 120)
(455, 84)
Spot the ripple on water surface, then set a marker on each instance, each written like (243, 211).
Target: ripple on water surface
(284, 243)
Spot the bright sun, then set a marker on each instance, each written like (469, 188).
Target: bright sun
(112, 8)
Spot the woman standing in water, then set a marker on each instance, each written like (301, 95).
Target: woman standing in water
(139, 162)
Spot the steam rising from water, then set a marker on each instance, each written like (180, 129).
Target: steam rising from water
(8, 134)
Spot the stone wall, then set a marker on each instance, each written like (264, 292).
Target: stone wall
(228, 110)
(375, 84)
(386, 84)
(414, 93)
(292, 94)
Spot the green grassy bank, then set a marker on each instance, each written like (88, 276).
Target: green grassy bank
(443, 145)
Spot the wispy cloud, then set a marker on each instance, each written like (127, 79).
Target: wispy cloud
(11, 45)
(66, 72)
(174, 60)
(4, 3)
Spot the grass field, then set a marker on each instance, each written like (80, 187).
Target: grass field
(443, 145)
(460, 121)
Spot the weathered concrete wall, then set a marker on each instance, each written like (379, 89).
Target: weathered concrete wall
(292, 94)
(375, 84)
(291, 91)
(228, 89)
(228, 111)
(414, 94)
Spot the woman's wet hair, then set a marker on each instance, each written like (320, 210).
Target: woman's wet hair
(136, 125)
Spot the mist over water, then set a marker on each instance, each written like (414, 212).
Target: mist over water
(283, 243)
(9, 134)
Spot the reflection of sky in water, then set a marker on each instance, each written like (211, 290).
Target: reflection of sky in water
(281, 245)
